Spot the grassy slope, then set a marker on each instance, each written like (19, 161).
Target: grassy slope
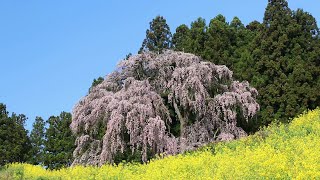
(279, 151)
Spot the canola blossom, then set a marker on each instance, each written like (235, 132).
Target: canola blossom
(280, 151)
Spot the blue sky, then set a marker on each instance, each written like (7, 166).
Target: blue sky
(50, 51)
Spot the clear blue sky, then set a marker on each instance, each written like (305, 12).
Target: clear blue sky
(50, 51)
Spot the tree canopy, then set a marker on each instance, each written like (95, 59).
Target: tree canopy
(37, 138)
(14, 140)
(59, 144)
(158, 36)
(133, 105)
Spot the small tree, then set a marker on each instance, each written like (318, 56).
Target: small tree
(96, 82)
(59, 143)
(37, 138)
(218, 47)
(139, 104)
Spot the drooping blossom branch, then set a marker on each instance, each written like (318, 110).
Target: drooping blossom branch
(133, 106)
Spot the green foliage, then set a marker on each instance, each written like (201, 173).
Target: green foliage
(158, 36)
(198, 37)
(128, 56)
(219, 45)
(181, 38)
(59, 143)
(286, 63)
(14, 141)
(37, 138)
(96, 82)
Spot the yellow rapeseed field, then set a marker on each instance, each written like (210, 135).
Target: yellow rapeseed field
(289, 151)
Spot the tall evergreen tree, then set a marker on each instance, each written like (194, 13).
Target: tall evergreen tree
(37, 138)
(241, 42)
(193, 39)
(14, 141)
(181, 39)
(59, 143)
(158, 36)
(5, 127)
(218, 47)
(198, 36)
(285, 54)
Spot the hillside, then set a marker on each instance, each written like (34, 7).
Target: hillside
(280, 151)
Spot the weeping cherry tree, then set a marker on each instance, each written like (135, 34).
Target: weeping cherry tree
(135, 108)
